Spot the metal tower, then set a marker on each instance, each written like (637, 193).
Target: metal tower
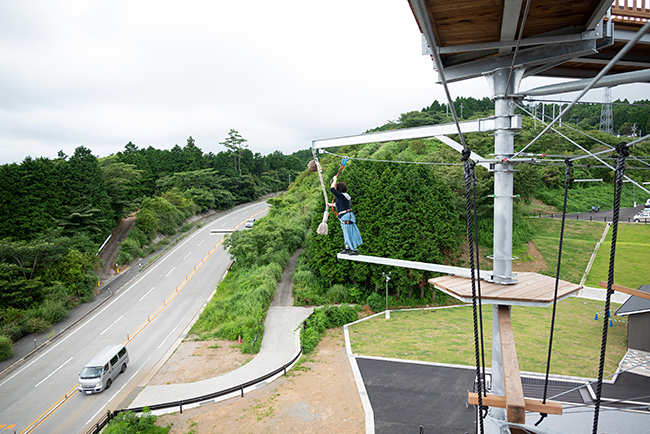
(606, 122)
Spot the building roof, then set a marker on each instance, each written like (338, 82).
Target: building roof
(635, 304)
(560, 38)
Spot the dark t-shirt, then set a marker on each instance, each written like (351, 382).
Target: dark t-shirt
(342, 203)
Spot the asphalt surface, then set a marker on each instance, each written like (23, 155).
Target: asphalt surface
(148, 312)
(626, 215)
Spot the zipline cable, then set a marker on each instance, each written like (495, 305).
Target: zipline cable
(594, 155)
(593, 82)
(393, 161)
(623, 152)
(422, 17)
(514, 55)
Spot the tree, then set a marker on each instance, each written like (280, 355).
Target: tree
(235, 143)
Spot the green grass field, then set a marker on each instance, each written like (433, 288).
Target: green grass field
(631, 267)
(446, 336)
(580, 239)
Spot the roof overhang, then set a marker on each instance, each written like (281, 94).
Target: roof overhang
(559, 38)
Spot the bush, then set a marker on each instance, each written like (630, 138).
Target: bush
(325, 318)
(53, 311)
(376, 302)
(130, 423)
(6, 348)
(337, 294)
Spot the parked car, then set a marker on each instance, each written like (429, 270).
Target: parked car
(250, 223)
(643, 215)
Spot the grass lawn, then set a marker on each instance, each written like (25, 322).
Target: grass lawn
(631, 267)
(580, 238)
(446, 336)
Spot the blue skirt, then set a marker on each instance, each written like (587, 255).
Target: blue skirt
(351, 233)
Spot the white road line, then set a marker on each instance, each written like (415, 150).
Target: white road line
(224, 224)
(170, 333)
(116, 299)
(187, 256)
(53, 372)
(146, 294)
(170, 272)
(201, 243)
(107, 328)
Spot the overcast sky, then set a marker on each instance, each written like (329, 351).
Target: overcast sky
(282, 73)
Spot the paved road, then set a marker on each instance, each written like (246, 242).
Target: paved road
(151, 311)
(625, 215)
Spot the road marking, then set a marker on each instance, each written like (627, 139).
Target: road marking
(201, 243)
(170, 333)
(54, 372)
(187, 255)
(146, 294)
(170, 272)
(72, 391)
(105, 330)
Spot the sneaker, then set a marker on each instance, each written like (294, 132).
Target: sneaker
(354, 252)
(345, 252)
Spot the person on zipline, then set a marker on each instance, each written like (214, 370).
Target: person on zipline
(351, 233)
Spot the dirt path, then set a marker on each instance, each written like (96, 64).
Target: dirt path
(318, 395)
(111, 250)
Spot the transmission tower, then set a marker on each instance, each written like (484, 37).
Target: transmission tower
(606, 122)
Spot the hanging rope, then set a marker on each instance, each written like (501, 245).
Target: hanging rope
(478, 273)
(623, 152)
(469, 167)
(322, 227)
(567, 176)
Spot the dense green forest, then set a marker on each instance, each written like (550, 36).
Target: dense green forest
(57, 212)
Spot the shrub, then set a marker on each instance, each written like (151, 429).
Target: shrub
(322, 319)
(130, 423)
(376, 302)
(337, 294)
(6, 348)
(53, 311)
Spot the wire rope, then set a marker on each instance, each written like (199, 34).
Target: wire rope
(593, 82)
(588, 102)
(514, 55)
(394, 161)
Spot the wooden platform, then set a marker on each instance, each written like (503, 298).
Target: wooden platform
(531, 289)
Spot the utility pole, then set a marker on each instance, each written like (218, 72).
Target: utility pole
(387, 277)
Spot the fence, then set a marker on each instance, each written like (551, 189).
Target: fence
(96, 429)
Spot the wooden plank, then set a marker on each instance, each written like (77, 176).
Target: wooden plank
(532, 405)
(627, 290)
(515, 404)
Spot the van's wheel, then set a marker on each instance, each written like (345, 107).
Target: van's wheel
(108, 384)
(123, 368)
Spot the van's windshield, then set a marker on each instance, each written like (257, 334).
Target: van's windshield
(91, 372)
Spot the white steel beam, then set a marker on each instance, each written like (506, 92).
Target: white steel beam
(473, 126)
(438, 268)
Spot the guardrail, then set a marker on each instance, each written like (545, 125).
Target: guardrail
(96, 429)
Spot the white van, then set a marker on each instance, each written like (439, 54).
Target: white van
(99, 373)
